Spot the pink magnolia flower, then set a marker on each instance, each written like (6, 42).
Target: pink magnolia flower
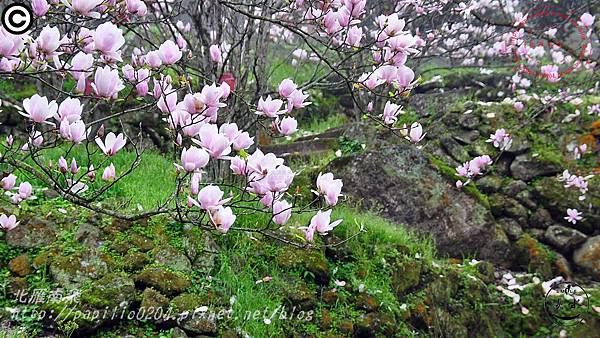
(296, 100)
(108, 39)
(74, 132)
(7, 223)
(40, 7)
(586, 19)
(405, 76)
(74, 168)
(153, 59)
(48, 41)
(195, 183)
(25, 190)
(137, 7)
(210, 96)
(222, 218)
(38, 109)
(109, 173)
(112, 144)
(194, 158)
(355, 34)
(63, 167)
(321, 223)
(143, 78)
(10, 45)
(91, 174)
(167, 102)
(238, 166)
(415, 135)
(215, 54)
(243, 141)
(8, 182)
(261, 164)
(329, 187)
(573, 216)
(216, 144)
(286, 88)
(107, 83)
(37, 139)
(70, 110)
(390, 112)
(519, 106)
(279, 179)
(210, 197)
(579, 151)
(169, 52)
(501, 139)
(288, 126)
(269, 107)
(282, 211)
(84, 7)
(80, 69)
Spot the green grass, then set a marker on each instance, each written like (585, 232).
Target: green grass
(149, 184)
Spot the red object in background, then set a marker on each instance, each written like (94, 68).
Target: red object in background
(229, 79)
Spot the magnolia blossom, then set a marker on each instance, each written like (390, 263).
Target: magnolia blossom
(329, 187)
(74, 167)
(282, 211)
(194, 158)
(7, 223)
(169, 52)
(38, 109)
(390, 113)
(210, 197)
(8, 182)
(288, 126)
(519, 106)
(296, 100)
(215, 54)
(287, 87)
(47, 42)
(222, 218)
(40, 7)
(472, 168)
(500, 139)
(62, 165)
(107, 83)
(74, 132)
(320, 223)
(415, 134)
(586, 20)
(238, 166)
(279, 179)
(25, 190)
(108, 39)
(269, 107)
(70, 109)
(112, 143)
(579, 151)
(84, 7)
(109, 173)
(573, 216)
(195, 183)
(216, 144)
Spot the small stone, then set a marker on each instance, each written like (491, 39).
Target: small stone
(489, 184)
(88, 235)
(172, 258)
(134, 261)
(541, 218)
(518, 146)
(165, 281)
(31, 234)
(587, 257)
(454, 149)
(564, 239)
(514, 187)
(20, 265)
(525, 167)
(178, 333)
(562, 266)
(467, 136)
(511, 228)
(152, 301)
(469, 121)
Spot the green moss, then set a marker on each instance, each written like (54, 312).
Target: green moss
(450, 172)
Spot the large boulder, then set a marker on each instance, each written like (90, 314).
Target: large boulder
(399, 182)
(587, 257)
